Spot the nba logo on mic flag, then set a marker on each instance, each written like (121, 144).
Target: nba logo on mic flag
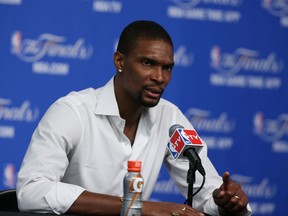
(182, 138)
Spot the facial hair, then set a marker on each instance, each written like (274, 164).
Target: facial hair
(147, 104)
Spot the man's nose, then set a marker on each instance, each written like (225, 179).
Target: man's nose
(158, 75)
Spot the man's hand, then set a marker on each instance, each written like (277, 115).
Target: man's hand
(168, 209)
(230, 197)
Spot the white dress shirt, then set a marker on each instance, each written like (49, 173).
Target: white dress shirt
(80, 145)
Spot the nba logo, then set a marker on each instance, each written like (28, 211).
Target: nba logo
(184, 136)
(215, 56)
(172, 150)
(16, 42)
(9, 179)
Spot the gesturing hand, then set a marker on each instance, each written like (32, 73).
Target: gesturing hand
(230, 196)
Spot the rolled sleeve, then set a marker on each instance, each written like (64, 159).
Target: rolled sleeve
(62, 196)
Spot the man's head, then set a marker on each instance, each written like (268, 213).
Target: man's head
(144, 62)
(141, 30)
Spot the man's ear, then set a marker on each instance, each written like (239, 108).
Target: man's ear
(118, 60)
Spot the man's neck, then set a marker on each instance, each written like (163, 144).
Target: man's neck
(132, 118)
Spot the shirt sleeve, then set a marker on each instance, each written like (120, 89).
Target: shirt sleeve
(39, 187)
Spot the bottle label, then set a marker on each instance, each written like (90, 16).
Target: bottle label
(136, 185)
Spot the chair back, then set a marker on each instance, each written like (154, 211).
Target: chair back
(8, 200)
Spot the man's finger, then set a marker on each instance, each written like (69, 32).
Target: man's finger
(216, 194)
(226, 180)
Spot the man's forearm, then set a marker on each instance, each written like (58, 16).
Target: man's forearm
(89, 203)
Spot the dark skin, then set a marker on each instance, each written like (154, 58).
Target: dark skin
(225, 198)
(145, 73)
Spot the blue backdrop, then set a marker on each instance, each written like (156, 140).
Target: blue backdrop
(230, 78)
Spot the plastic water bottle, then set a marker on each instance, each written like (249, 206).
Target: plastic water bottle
(132, 185)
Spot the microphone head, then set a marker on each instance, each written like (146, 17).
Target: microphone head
(182, 139)
(187, 143)
(173, 128)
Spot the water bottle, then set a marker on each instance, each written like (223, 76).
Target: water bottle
(132, 185)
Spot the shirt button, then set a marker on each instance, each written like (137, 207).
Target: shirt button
(124, 143)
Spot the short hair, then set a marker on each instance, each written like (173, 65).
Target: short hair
(141, 30)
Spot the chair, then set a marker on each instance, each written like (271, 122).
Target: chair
(8, 200)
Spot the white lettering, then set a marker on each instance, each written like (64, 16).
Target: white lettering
(284, 21)
(203, 14)
(245, 81)
(177, 141)
(52, 46)
(263, 208)
(182, 58)
(255, 82)
(261, 190)
(107, 6)
(22, 113)
(7, 132)
(50, 68)
(233, 81)
(11, 2)
(201, 121)
(218, 142)
(280, 146)
(232, 16)
(248, 60)
(223, 2)
(273, 83)
(177, 12)
(215, 15)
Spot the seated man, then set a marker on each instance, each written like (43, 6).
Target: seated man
(78, 154)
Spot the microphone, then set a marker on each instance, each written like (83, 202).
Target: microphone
(187, 143)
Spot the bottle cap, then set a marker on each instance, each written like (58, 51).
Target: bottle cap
(134, 166)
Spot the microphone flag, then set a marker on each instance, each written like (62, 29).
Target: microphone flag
(181, 139)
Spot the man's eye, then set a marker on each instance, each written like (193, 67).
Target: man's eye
(146, 62)
(168, 68)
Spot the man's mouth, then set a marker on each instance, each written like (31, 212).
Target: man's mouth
(154, 92)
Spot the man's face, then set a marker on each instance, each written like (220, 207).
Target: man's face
(147, 70)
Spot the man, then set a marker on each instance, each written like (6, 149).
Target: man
(78, 154)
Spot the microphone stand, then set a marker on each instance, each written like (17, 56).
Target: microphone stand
(194, 164)
(191, 181)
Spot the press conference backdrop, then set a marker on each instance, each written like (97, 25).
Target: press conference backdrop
(230, 79)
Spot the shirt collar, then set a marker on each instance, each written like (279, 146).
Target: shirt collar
(107, 104)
